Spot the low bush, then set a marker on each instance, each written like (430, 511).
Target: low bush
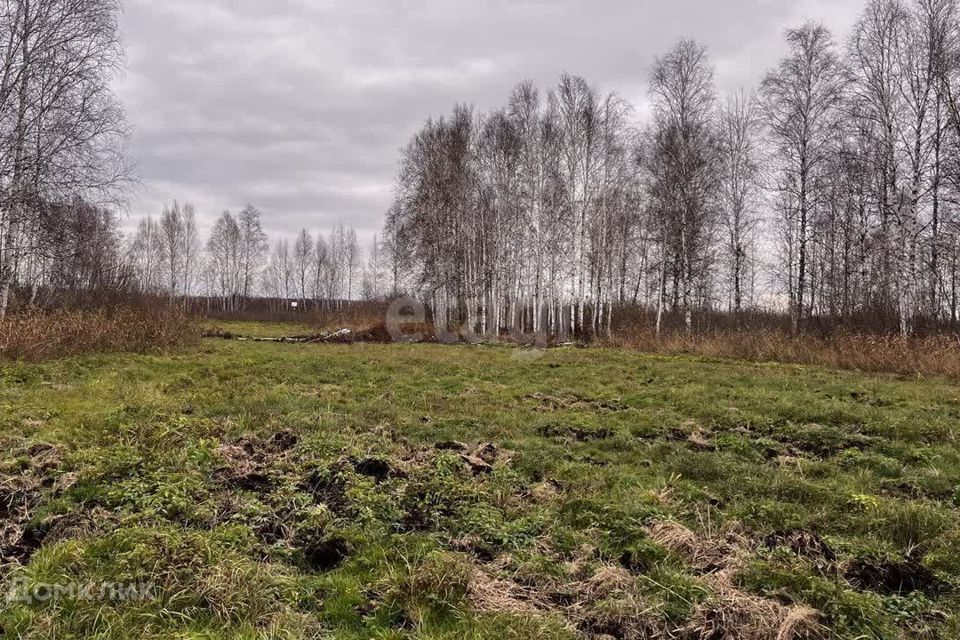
(42, 336)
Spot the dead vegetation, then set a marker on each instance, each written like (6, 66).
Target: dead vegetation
(609, 601)
(730, 612)
(883, 353)
(22, 488)
(931, 355)
(44, 336)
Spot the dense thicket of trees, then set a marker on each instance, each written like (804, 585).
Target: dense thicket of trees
(528, 214)
(61, 138)
(551, 211)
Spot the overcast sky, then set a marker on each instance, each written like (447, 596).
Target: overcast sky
(300, 107)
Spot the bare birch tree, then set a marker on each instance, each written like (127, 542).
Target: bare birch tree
(738, 190)
(683, 165)
(801, 100)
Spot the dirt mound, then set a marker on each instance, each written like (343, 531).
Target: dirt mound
(377, 334)
(890, 577)
(246, 463)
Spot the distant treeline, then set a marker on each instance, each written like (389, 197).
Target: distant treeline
(237, 263)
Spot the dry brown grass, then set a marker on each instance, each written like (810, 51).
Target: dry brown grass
(933, 355)
(42, 336)
(730, 612)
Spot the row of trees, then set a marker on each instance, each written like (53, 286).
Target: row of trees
(865, 144)
(61, 140)
(832, 191)
(238, 262)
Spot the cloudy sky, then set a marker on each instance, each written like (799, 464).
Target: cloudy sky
(300, 107)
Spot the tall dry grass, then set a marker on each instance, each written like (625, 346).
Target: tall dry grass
(42, 336)
(931, 355)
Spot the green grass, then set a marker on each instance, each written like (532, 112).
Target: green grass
(167, 470)
(261, 329)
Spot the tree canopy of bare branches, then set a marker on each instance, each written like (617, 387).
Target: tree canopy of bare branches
(61, 128)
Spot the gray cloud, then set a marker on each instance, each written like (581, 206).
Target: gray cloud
(301, 106)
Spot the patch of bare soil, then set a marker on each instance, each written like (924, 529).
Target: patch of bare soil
(327, 553)
(19, 496)
(894, 577)
(574, 433)
(22, 488)
(328, 486)
(379, 469)
(806, 544)
(569, 401)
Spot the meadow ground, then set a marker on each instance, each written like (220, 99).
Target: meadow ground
(429, 491)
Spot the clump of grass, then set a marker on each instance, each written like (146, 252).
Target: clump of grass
(431, 587)
(44, 336)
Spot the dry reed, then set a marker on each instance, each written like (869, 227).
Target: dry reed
(42, 336)
(932, 355)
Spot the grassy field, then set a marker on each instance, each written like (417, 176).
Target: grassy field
(261, 329)
(429, 491)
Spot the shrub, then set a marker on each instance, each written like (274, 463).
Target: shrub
(43, 336)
